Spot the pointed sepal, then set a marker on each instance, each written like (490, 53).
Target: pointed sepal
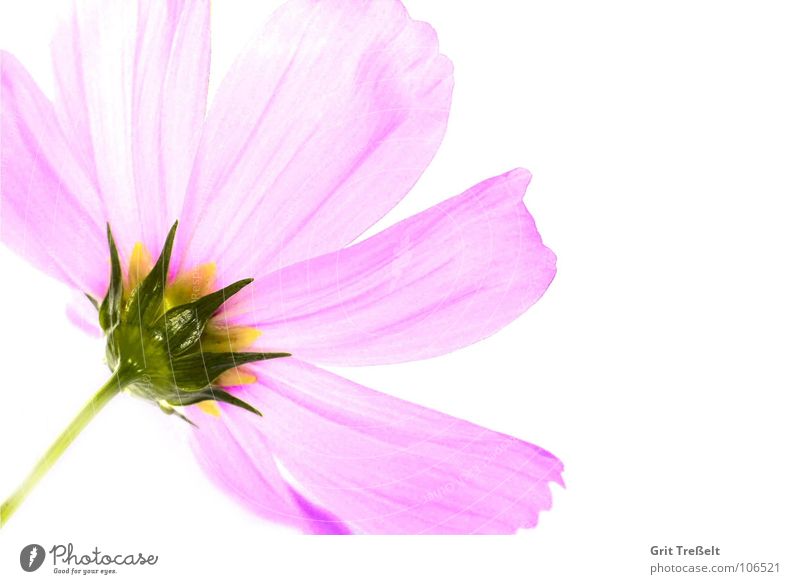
(216, 394)
(111, 307)
(184, 325)
(167, 408)
(146, 303)
(197, 371)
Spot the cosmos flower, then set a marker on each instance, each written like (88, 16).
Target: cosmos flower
(216, 252)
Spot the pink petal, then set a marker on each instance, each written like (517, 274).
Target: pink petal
(435, 282)
(83, 315)
(252, 476)
(379, 464)
(51, 212)
(132, 85)
(322, 125)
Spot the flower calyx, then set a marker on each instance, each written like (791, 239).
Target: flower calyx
(156, 350)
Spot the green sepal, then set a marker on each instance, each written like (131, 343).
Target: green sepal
(184, 324)
(111, 306)
(197, 371)
(170, 411)
(215, 394)
(94, 301)
(146, 303)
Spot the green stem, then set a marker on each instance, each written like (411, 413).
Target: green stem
(111, 388)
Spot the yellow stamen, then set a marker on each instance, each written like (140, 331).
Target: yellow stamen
(140, 265)
(191, 285)
(235, 338)
(209, 407)
(235, 376)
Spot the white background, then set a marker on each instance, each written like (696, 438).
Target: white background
(661, 365)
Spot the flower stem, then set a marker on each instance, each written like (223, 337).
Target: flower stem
(111, 388)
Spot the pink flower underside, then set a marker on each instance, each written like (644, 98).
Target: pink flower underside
(374, 463)
(321, 126)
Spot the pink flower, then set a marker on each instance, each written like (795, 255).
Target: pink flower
(321, 126)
